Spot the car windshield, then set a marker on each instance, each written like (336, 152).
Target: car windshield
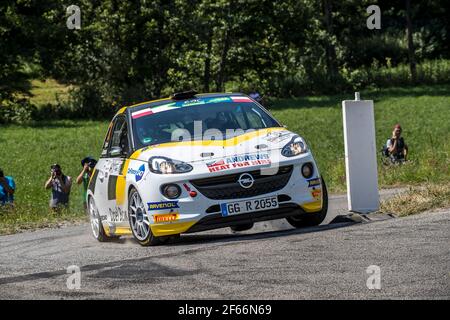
(181, 121)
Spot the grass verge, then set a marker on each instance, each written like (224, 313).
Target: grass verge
(20, 219)
(418, 199)
(26, 153)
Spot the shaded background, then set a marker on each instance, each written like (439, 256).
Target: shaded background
(129, 51)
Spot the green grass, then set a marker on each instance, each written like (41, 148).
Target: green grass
(27, 153)
(48, 92)
(424, 112)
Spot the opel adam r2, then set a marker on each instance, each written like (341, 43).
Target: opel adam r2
(195, 162)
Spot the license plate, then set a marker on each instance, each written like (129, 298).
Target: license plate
(239, 207)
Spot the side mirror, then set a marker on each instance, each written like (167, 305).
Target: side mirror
(115, 151)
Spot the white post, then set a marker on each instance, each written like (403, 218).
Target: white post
(360, 155)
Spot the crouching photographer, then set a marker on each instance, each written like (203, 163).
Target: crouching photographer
(60, 185)
(7, 188)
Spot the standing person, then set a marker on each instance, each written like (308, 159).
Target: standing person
(255, 95)
(88, 165)
(60, 185)
(7, 188)
(396, 148)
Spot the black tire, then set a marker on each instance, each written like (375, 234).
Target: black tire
(242, 227)
(139, 221)
(312, 219)
(96, 224)
(175, 237)
(164, 239)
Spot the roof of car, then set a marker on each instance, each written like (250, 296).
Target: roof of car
(157, 102)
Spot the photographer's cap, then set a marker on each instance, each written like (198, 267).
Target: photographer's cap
(55, 166)
(88, 159)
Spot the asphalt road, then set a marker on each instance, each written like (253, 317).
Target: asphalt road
(272, 261)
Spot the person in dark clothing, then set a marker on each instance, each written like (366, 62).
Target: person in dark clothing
(396, 148)
(255, 95)
(88, 165)
(60, 185)
(7, 188)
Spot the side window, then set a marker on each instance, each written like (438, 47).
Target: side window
(119, 138)
(107, 141)
(255, 119)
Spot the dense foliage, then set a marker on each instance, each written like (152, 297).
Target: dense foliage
(129, 51)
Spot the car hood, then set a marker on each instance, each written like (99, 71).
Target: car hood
(251, 143)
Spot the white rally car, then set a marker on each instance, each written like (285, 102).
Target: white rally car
(196, 162)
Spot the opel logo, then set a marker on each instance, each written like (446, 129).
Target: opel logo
(246, 180)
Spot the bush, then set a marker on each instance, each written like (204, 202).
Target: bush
(16, 111)
(428, 72)
(377, 76)
(87, 103)
(84, 103)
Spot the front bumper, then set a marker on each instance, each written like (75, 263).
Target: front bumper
(200, 213)
(215, 221)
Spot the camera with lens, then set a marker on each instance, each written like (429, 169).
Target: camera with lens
(55, 170)
(91, 162)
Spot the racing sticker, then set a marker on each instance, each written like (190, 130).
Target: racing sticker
(314, 185)
(316, 194)
(162, 205)
(168, 217)
(117, 215)
(193, 102)
(187, 103)
(277, 136)
(241, 99)
(247, 160)
(113, 167)
(313, 182)
(138, 174)
(141, 113)
(218, 100)
(149, 111)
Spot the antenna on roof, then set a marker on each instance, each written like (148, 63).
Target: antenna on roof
(184, 95)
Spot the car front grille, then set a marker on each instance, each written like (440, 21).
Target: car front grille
(227, 186)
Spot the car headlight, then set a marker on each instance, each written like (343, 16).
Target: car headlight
(295, 147)
(163, 165)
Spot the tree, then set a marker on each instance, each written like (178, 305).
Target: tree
(409, 32)
(330, 51)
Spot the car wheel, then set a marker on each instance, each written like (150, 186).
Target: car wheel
(139, 221)
(96, 223)
(242, 227)
(312, 219)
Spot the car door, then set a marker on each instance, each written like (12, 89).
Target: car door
(99, 181)
(115, 187)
